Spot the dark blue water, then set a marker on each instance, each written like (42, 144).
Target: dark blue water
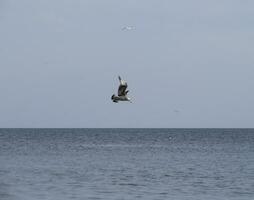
(59, 164)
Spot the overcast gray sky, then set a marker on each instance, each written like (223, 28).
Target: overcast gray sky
(187, 63)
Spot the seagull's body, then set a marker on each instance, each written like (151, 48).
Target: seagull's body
(122, 92)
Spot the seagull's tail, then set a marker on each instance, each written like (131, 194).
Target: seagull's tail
(119, 79)
(114, 99)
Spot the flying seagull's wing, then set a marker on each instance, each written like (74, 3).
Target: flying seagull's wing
(122, 88)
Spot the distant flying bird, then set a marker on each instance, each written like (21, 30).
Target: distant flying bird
(122, 92)
(127, 28)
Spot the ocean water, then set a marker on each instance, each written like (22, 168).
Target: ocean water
(150, 164)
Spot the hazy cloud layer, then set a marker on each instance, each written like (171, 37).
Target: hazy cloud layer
(59, 62)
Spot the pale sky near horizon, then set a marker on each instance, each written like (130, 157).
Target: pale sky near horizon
(188, 63)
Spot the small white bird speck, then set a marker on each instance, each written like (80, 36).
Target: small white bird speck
(127, 28)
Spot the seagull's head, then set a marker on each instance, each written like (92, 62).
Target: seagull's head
(129, 99)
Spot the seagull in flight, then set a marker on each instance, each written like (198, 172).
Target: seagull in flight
(122, 92)
(127, 28)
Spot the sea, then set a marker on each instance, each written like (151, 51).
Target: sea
(126, 164)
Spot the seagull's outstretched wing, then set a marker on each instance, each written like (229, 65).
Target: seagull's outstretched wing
(122, 88)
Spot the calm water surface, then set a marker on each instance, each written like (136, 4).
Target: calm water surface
(177, 164)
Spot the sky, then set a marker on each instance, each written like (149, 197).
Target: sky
(188, 64)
